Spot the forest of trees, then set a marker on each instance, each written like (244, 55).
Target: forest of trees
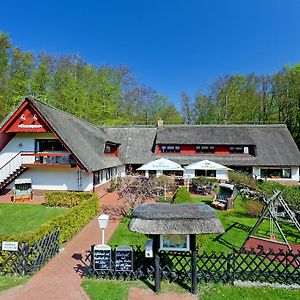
(112, 96)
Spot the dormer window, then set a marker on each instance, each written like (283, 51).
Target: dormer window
(236, 149)
(108, 149)
(111, 149)
(170, 148)
(205, 149)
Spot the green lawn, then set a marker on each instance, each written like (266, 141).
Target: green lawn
(236, 224)
(19, 218)
(7, 282)
(118, 290)
(123, 236)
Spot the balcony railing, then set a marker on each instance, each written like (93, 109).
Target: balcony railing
(46, 158)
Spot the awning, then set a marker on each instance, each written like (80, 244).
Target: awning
(206, 165)
(161, 164)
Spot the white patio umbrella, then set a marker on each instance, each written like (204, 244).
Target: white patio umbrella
(161, 164)
(206, 165)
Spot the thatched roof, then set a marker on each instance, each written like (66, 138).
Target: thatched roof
(274, 144)
(137, 142)
(187, 218)
(204, 134)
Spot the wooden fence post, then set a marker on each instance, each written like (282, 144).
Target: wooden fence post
(156, 241)
(194, 288)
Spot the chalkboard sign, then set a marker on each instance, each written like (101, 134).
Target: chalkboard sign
(102, 257)
(124, 257)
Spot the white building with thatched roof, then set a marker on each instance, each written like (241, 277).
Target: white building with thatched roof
(61, 152)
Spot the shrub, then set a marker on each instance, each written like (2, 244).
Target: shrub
(290, 193)
(242, 179)
(182, 195)
(253, 208)
(119, 182)
(112, 186)
(66, 199)
(202, 180)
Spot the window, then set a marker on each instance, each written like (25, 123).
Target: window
(236, 149)
(175, 242)
(108, 149)
(97, 177)
(205, 149)
(206, 173)
(286, 173)
(170, 148)
(43, 145)
(276, 173)
(107, 175)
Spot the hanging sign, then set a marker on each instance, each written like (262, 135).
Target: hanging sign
(124, 258)
(102, 257)
(10, 246)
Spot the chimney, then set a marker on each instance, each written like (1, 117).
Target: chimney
(160, 123)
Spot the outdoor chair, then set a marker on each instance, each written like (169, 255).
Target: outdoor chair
(22, 190)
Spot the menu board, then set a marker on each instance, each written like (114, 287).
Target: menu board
(124, 258)
(102, 257)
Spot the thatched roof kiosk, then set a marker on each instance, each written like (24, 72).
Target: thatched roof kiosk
(187, 218)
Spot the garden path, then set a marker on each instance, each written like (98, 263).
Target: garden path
(58, 279)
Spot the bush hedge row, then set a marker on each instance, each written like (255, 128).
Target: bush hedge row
(69, 223)
(66, 199)
(242, 179)
(290, 193)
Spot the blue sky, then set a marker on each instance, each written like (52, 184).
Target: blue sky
(172, 46)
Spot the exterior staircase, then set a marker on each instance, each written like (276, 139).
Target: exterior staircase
(11, 170)
(10, 177)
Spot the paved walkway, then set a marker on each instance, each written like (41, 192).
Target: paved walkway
(58, 279)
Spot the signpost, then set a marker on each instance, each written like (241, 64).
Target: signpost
(124, 258)
(102, 257)
(10, 246)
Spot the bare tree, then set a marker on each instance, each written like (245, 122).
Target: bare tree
(133, 193)
(165, 181)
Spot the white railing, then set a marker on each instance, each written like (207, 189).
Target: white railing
(13, 164)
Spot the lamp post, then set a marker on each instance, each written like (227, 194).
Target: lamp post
(103, 220)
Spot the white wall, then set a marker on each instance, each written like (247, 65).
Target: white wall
(57, 179)
(295, 173)
(256, 172)
(189, 173)
(87, 181)
(121, 170)
(222, 174)
(27, 140)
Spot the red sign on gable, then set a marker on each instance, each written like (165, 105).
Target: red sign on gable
(27, 120)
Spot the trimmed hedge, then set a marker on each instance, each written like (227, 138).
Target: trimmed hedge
(69, 223)
(66, 199)
(182, 195)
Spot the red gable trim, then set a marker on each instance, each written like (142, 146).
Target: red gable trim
(26, 119)
(30, 109)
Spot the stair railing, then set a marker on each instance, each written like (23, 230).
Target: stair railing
(12, 165)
